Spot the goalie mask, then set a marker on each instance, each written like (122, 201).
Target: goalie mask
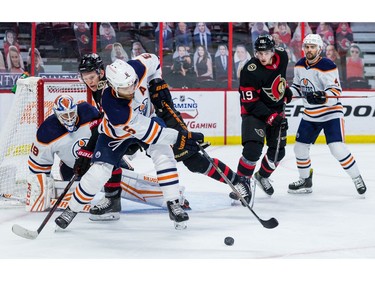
(121, 76)
(66, 112)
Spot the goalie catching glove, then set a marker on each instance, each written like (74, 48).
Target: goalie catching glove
(159, 92)
(189, 140)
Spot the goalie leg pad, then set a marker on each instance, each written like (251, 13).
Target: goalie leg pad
(40, 189)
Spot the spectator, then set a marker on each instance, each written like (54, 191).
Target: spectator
(137, 49)
(14, 61)
(83, 36)
(259, 28)
(296, 42)
(118, 52)
(283, 30)
(202, 36)
(180, 69)
(344, 37)
(221, 63)
(10, 39)
(354, 63)
(2, 63)
(107, 35)
(278, 42)
(325, 31)
(183, 36)
(241, 57)
(39, 65)
(202, 64)
(167, 37)
(334, 56)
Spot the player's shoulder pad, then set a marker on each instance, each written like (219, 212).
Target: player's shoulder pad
(117, 110)
(87, 113)
(325, 64)
(140, 66)
(301, 62)
(50, 130)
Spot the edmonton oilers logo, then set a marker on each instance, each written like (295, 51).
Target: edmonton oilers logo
(79, 144)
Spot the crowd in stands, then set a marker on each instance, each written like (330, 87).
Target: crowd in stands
(195, 54)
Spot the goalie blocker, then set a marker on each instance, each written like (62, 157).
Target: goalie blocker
(42, 191)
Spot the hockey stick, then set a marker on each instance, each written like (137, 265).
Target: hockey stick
(33, 234)
(7, 196)
(340, 97)
(272, 222)
(278, 143)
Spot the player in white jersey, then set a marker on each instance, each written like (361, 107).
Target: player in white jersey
(92, 73)
(316, 80)
(63, 135)
(127, 120)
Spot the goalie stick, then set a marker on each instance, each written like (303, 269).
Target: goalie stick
(33, 234)
(272, 222)
(7, 196)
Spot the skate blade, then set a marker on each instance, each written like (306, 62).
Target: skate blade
(300, 191)
(180, 225)
(105, 217)
(59, 229)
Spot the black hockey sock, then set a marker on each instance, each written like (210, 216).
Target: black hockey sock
(245, 168)
(265, 169)
(112, 188)
(212, 173)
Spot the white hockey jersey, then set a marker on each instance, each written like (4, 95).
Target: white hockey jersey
(320, 76)
(53, 139)
(131, 118)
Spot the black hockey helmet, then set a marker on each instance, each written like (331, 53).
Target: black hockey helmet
(264, 43)
(90, 62)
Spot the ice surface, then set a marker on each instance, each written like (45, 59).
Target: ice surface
(332, 228)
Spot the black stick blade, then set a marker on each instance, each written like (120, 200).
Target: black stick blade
(271, 223)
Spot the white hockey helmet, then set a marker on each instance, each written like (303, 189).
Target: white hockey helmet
(313, 39)
(66, 111)
(121, 75)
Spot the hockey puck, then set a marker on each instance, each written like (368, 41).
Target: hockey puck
(229, 241)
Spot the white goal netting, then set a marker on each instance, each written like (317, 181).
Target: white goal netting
(33, 103)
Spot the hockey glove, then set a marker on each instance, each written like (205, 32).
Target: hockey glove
(288, 95)
(277, 120)
(188, 140)
(318, 97)
(83, 161)
(159, 92)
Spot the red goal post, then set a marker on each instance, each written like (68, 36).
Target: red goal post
(33, 102)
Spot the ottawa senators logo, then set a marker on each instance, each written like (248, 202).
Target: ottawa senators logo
(277, 90)
(251, 67)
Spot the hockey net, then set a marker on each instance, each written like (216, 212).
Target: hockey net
(33, 103)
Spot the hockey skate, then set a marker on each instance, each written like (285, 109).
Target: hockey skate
(185, 205)
(243, 187)
(65, 218)
(107, 209)
(264, 183)
(301, 186)
(177, 214)
(360, 185)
